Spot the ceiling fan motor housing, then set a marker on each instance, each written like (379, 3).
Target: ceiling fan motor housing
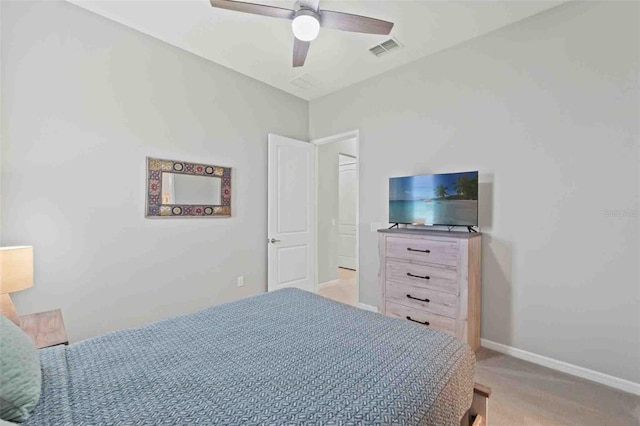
(306, 24)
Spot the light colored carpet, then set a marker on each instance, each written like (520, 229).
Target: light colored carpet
(525, 394)
(528, 394)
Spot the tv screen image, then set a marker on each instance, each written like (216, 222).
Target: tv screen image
(442, 199)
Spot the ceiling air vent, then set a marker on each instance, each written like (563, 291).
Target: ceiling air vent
(306, 81)
(385, 47)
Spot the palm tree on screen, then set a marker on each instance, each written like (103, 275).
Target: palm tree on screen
(441, 191)
(462, 185)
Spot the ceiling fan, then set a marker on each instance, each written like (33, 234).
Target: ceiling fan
(307, 19)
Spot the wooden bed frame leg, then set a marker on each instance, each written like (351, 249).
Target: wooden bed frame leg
(478, 414)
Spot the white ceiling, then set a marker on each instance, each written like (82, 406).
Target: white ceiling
(261, 47)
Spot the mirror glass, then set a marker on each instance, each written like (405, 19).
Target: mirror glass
(179, 188)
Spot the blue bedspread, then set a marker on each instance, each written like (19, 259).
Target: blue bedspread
(287, 357)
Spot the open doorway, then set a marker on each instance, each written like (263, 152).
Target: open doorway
(337, 218)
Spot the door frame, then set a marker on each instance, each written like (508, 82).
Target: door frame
(331, 139)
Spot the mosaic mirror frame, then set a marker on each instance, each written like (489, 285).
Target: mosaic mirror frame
(154, 206)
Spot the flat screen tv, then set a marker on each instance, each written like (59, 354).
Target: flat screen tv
(449, 199)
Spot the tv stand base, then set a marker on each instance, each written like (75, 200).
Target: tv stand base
(469, 228)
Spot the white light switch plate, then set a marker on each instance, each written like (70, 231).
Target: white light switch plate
(241, 281)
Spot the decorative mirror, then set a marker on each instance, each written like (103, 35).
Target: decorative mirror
(181, 189)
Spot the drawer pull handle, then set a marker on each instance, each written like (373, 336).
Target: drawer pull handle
(421, 251)
(419, 322)
(415, 298)
(426, 277)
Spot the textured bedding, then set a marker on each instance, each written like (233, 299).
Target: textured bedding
(286, 357)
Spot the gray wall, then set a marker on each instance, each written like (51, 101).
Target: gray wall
(84, 101)
(547, 110)
(328, 206)
(1, 120)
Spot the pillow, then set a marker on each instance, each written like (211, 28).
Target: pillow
(20, 376)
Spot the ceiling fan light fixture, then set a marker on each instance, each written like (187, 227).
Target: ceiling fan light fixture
(305, 25)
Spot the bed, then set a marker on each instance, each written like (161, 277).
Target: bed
(286, 357)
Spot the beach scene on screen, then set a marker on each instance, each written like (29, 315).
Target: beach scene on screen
(443, 199)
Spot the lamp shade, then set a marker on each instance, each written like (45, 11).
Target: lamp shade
(16, 268)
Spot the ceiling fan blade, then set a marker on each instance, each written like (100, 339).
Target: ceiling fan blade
(256, 9)
(354, 23)
(300, 50)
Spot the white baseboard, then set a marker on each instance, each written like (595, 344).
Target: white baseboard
(367, 307)
(565, 367)
(327, 283)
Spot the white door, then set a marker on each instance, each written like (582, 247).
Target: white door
(291, 214)
(347, 228)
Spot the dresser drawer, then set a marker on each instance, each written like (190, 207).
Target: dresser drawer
(421, 298)
(423, 250)
(429, 319)
(420, 275)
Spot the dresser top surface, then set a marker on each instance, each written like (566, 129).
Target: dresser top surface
(432, 233)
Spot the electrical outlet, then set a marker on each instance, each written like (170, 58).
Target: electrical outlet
(241, 281)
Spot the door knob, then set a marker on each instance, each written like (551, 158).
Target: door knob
(273, 241)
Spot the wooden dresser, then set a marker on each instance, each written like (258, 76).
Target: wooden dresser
(432, 278)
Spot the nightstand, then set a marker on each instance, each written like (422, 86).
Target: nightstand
(45, 328)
